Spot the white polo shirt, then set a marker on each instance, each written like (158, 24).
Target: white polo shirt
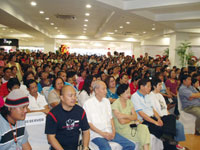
(37, 104)
(99, 114)
(141, 103)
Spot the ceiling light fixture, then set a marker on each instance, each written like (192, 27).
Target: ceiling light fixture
(87, 14)
(4, 29)
(144, 32)
(52, 23)
(121, 27)
(55, 27)
(84, 29)
(41, 12)
(85, 25)
(33, 3)
(127, 22)
(153, 29)
(86, 20)
(116, 30)
(88, 6)
(46, 18)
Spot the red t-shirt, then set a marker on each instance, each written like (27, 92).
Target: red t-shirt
(4, 90)
(133, 89)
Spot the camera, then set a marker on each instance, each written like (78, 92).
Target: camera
(133, 125)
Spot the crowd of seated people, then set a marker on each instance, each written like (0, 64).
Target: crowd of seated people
(42, 76)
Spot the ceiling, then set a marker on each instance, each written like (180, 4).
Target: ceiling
(109, 20)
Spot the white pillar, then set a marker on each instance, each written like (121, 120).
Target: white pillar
(49, 45)
(137, 50)
(175, 40)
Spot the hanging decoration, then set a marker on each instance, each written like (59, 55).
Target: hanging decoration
(64, 49)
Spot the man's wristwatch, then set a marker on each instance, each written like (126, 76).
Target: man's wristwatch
(85, 148)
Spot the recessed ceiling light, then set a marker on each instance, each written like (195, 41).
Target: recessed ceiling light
(4, 29)
(52, 23)
(55, 27)
(85, 25)
(46, 18)
(88, 6)
(84, 29)
(33, 3)
(58, 30)
(144, 32)
(127, 22)
(121, 27)
(116, 30)
(86, 20)
(41, 12)
(87, 14)
(153, 29)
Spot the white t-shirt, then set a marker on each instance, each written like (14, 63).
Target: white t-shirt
(83, 97)
(99, 113)
(159, 103)
(37, 104)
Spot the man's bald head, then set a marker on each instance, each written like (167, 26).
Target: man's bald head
(66, 88)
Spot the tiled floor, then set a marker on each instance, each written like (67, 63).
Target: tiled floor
(192, 142)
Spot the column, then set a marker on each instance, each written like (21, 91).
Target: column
(49, 45)
(175, 40)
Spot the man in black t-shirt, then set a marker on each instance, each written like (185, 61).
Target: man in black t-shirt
(64, 121)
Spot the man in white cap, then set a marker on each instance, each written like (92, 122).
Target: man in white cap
(13, 135)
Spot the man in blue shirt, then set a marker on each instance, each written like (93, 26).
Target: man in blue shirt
(190, 99)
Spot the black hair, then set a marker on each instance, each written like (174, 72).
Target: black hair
(11, 56)
(12, 82)
(54, 82)
(59, 72)
(4, 111)
(70, 74)
(143, 82)
(45, 66)
(87, 84)
(194, 80)
(184, 77)
(5, 69)
(12, 68)
(155, 82)
(122, 88)
(135, 78)
(28, 82)
(108, 80)
(26, 75)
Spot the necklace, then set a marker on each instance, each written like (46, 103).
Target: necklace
(14, 134)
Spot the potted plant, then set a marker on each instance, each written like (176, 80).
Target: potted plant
(184, 53)
(166, 52)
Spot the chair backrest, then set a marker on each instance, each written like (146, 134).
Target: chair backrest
(45, 91)
(179, 103)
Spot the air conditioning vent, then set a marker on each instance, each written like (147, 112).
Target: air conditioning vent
(65, 17)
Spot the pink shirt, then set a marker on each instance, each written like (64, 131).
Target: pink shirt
(173, 86)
